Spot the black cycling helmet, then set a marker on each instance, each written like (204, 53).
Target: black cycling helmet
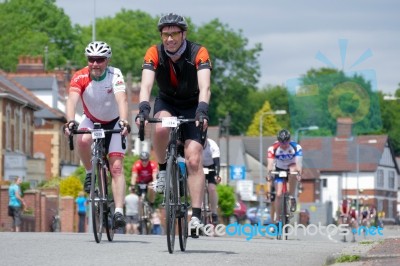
(144, 156)
(283, 135)
(172, 20)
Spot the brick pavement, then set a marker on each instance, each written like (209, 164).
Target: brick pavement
(385, 252)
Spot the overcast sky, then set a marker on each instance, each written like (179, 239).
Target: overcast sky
(292, 33)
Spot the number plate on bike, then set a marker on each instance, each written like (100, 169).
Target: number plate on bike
(169, 121)
(282, 174)
(98, 134)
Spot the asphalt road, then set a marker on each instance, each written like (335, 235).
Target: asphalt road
(81, 249)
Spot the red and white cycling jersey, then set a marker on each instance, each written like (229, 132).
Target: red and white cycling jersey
(97, 96)
(284, 158)
(144, 173)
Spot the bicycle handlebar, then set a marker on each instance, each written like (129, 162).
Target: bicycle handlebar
(290, 173)
(180, 121)
(89, 131)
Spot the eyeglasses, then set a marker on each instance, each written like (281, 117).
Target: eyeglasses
(99, 60)
(284, 143)
(173, 34)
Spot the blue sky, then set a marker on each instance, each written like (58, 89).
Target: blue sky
(292, 33)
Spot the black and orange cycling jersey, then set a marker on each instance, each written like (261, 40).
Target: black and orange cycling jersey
(177, 81)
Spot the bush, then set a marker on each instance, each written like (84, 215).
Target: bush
(70, 186)
(226, 199)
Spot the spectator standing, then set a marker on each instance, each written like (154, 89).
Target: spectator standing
(132, 211)
(81, 203)
(16, 203)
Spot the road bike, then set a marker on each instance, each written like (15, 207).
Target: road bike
(145, 211)
(288, 203)
(206, 214)
(102, 203)
(55, 225)
(176, 195)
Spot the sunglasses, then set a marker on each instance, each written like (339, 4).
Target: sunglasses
(284, 143)
(173, 34)
(99, 60)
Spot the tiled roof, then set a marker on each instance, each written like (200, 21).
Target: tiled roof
(43, 110)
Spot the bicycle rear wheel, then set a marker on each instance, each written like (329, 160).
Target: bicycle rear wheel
(284, 218)
(170, 201)
(184, 206)
(96, 197)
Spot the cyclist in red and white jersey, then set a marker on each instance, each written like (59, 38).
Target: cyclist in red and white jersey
(101, 88)
(284, 154)
(144, 171)
(211, 156)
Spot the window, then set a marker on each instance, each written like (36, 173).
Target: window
(391, 179)
(324, 182)
(380, 179)
(8, 128)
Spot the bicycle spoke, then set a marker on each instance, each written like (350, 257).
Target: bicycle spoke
(170, 200)
(96, 201)
(183, 215)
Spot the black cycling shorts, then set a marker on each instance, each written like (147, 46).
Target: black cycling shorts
(211, 175)
(190, 131)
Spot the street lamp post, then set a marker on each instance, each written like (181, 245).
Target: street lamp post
(277, 112)
(370, 141)
(304, 129)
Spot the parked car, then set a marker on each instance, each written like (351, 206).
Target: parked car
(255, 214)
(239, 213)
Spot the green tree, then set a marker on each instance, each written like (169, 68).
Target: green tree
(235, 74)
(391, 121)
(325, 94)
(129, 33)
(27, 27)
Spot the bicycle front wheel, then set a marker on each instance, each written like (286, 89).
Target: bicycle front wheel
(96, 198)
(109, 212)
(184, 206)
(170, 201)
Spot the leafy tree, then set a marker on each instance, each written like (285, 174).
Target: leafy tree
(234, 75)
(391, 121)
(128, 35)
(269, 123)
(323, 95)
(28, 27)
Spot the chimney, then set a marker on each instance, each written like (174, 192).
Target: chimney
(30, 64)
(344, 127)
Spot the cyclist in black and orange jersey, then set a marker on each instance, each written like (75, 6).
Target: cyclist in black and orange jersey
(182, 70)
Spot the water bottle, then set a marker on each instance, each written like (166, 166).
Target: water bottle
(182, 164)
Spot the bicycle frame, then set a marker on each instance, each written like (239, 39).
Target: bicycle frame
(285, 213)
(102, 206)
(145, 212)
(176, 192)
(206, 215)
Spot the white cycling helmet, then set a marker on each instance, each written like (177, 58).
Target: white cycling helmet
(97, 48)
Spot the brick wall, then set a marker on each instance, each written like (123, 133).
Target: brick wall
(44, 204)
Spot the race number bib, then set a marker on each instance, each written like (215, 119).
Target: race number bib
(282, 174)
(98, 134)
(169, 121)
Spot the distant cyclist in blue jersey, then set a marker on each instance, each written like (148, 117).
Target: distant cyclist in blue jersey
(284, 154)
